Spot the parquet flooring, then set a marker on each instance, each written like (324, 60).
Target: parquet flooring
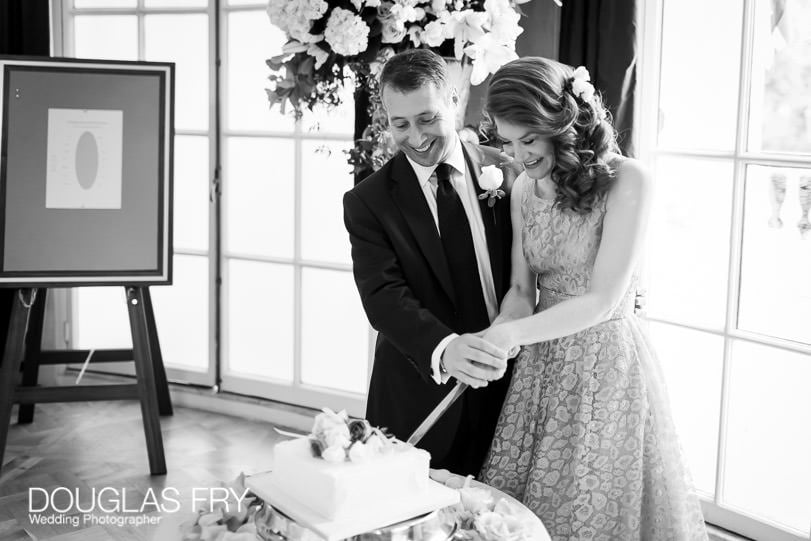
(82, 446)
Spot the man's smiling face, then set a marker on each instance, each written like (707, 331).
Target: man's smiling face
(422, 122)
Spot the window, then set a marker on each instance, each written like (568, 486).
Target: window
(726, 93)
(289, 319)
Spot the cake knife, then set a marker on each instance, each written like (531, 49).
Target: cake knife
(437, 412)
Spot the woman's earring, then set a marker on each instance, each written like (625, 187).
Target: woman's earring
(777, 190)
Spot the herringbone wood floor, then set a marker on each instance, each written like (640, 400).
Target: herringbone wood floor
(101, 444)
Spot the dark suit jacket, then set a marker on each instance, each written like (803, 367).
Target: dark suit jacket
(407, 291)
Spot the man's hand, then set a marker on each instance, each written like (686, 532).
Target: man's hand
(472, 360)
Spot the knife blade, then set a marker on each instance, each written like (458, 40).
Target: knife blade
(437, 412)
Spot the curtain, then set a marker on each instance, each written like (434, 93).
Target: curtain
(601, 35)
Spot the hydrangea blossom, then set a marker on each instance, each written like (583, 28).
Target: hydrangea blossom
(346, 33)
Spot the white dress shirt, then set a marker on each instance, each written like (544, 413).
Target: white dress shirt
(463, 183)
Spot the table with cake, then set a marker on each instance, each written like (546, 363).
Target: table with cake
(347, 479)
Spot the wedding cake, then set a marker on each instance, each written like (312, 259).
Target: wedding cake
(348, 477)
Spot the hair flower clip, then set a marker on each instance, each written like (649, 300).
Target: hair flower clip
(490, 181)
(581, 87)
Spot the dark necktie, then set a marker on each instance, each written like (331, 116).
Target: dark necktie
(454, 229)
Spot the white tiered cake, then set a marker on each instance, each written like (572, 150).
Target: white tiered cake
(347, 478)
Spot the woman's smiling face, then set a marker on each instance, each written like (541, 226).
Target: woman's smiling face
(535, 152)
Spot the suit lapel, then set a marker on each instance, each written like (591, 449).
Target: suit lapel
(490, 215)
(409, 197)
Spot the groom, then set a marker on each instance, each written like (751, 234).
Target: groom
(432, 263)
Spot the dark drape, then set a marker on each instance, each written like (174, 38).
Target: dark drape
(601, 35)
(24, 27)
(24, 30)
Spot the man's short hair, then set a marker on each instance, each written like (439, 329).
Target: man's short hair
(412, 69)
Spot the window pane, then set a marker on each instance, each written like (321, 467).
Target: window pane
(769, 435)
(259, 319)
(692, 363)
(699, 79)
(780, 114)
(251, 41)
(191, 56)
(175, 3)
(340, 120)
(105, 3)
(181, 314)
(688, 246)
(191, 192)
(325, 178)
(335, 333)
(102, 321)
(259, 196)
(247, 2)
(775, 286)
(109, 37)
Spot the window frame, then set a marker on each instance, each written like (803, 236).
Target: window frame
(650, 22)
(295, 392)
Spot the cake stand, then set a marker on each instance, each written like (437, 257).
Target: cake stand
(273, 525)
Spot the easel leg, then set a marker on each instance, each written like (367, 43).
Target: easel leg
(164, 400)
(145, 373)
(33, 346)
(12, 357)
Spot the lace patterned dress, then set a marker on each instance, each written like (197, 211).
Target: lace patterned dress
(585, 438)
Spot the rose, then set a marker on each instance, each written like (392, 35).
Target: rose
(491, 178)
(334, 454)
(327, 419)
(337, 435)
(494, 527)
(359, 430)
(358, 452)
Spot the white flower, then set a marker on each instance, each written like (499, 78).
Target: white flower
(328, 419)
(382, 57)
(358, 4)
(374, 445)
(346, 32)
(504, 27)
(334, 454)
(358, 452)
(466, 27)
(337, 435)
(372, 3)
(491, 178)
(581, 87)
(492, 527)
(488, 57)
(476, 500)
(318, 53)
(434, 33)
(295, 17)
(393, 32)
(438, 5)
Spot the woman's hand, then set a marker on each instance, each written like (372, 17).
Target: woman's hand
(500, 336)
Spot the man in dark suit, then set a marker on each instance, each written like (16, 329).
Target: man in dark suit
(431, 262)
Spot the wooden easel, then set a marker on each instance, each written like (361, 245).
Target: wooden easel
(23, 348)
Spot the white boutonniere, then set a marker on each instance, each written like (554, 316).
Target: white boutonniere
(490, 181)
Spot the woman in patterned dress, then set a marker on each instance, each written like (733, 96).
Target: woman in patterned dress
(585, 438)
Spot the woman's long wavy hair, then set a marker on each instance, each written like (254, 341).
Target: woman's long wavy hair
(536, 93)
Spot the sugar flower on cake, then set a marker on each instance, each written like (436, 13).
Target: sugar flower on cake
(337, 438)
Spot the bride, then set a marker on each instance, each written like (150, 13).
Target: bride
(585, 437)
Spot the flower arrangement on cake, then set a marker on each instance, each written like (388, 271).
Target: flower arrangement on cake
(337, 438)
(332, 43)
